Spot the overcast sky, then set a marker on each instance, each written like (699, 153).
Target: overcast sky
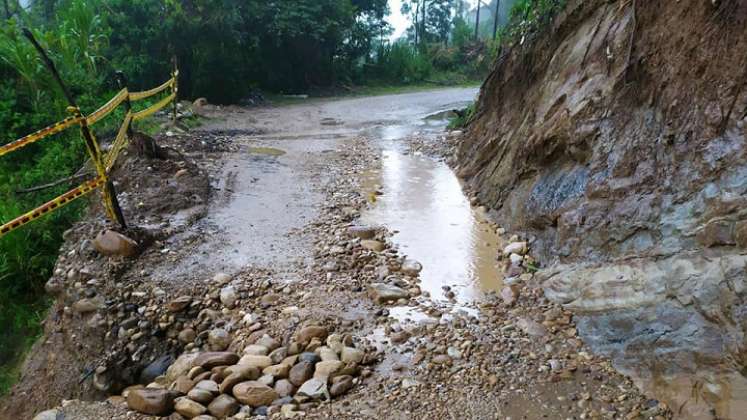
(399, 22)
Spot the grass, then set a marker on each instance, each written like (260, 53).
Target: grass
(378, 90)
(374, 89)
(18, 345)
(461, 121)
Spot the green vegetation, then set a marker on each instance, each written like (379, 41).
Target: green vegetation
(29, 100)
(462, 119)
(528, 16)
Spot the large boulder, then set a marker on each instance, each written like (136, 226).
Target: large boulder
(223, 406)
(210, 360)
(189, 408)
(315, 389)
(254, 393)
(383, 293)
(155, 402)
(112, 243)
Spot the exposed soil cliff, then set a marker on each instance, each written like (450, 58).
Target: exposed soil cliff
(616, 141)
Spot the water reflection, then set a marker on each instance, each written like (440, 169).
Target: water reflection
(424, 204)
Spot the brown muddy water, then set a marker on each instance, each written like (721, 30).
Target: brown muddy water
(421, 201)
(433, 221)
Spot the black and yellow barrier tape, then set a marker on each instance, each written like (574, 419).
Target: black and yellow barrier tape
(52, 205)
(119, 143)
(147, 112)
(136, 96)
(103, 164)
(44, 132)
(107, 108)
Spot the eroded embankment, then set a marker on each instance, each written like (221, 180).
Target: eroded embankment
(617, 141)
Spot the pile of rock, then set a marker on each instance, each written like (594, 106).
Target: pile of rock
(266, 378)
(394, 280)
(518, 262)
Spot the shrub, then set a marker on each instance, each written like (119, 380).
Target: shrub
(399, 63)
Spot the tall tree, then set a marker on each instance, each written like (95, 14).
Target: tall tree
(495, 18)
(424, 32)
(417, 27)
(440, 19)
(477, 20)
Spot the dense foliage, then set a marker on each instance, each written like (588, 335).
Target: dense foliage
(530, 15)
(227, 47)
(30, 100)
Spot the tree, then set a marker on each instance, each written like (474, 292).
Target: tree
(495, 18)
(477, 20)
(440, 19)
(461, 33)
(413, 9)
(288, 45)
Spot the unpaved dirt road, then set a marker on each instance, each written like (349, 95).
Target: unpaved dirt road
(269, 186)
(294, 189)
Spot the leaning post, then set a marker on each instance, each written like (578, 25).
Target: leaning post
(110, 194)
(175, 86)
(122, 84)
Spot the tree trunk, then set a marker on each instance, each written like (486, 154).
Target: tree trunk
(417, 25)
(477, 21)
(495, 21)
(423, 32)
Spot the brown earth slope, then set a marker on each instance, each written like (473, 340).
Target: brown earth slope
(616, 139)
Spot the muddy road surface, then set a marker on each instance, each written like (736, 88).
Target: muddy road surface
(268, 187)
(337, 245)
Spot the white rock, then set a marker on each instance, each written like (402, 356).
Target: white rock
(256, 350)
(219, 339)
(454, 353)
(516, 259)
(411, 267)
(250, 319)
(409, 383)
(352, 355)
(48, 415)
(315, 389)
(515, 248)
(228, 296)
(221, 279)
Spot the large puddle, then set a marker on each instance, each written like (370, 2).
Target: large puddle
(421, 201)
(424, 204)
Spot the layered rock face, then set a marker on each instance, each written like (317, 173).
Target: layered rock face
(615, 141)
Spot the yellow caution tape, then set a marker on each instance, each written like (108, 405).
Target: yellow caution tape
(118, 143)
(108, 107)
(147, 112)
(44, 132)
(52, 205)
(136, 96)
(102, 168)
